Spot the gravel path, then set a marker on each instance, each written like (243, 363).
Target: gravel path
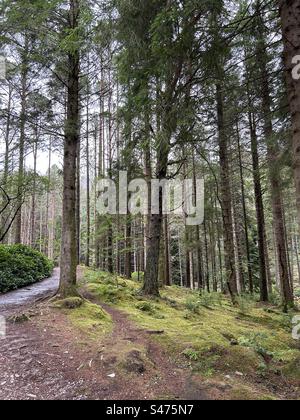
(28, 296)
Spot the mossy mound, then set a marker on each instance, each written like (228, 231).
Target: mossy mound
(91, 319)
(69, 303)
(214, 337)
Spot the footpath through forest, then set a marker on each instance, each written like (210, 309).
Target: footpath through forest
(44, 357)
(22, 298)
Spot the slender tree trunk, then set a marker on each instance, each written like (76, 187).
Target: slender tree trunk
(168, 271)
(260, 213)
(207, 274)
(33, 203)
(249, 263)
(128, 244)
(78, 200)
(6, 161)
(272, 154)
(99, 175)
(226, 197)
(69, 256)
(24, 80)
(110, 157)
(296, 250)
(88, 203)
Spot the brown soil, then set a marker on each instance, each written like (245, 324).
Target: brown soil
(46, 358)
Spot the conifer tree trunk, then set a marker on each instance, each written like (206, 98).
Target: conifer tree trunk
(24, 81)
(99, 175)
(69, 256)
(226, 198)
(275, 184)
(290, 20)
(260, 213)
(249, 265)
(78, 199)
(4, 178)
(33, 203)
(88, 204)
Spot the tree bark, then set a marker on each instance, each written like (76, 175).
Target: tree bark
(69, 256)
(272, 155)
(260, 213)
(290, 19)
(249, 264)
(24, 80)
(226, 198)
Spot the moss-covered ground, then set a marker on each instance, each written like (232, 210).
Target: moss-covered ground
(250, 345)
(88, 318)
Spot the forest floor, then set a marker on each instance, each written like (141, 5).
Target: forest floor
(176, 347)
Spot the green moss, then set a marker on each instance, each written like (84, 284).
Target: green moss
(90, 319)
(292, 370)
(243, 393)
(206, 327)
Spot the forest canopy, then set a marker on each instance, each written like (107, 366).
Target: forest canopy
(165, 90)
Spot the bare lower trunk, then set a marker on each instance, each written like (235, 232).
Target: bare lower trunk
(151, 285)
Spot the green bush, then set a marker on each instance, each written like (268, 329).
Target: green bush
(21, 266)
(146, 307)
(193, 305)
(297, 293)
(245, 303)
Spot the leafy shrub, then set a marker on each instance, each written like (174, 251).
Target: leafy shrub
(245, 303)
(191, 354)
(297, 293)
(205, 300)
(255, 341)
(109, 293)
(208, 299)
(21, 266)
(275, 298)
(146, 307)
(193, 305)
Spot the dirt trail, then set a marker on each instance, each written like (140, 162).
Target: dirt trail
(47, 359)
(162, 378)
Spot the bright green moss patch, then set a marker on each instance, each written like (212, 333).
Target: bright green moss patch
(213, 336)
(88, 318)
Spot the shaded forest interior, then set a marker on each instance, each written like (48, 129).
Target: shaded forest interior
(161, 89)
